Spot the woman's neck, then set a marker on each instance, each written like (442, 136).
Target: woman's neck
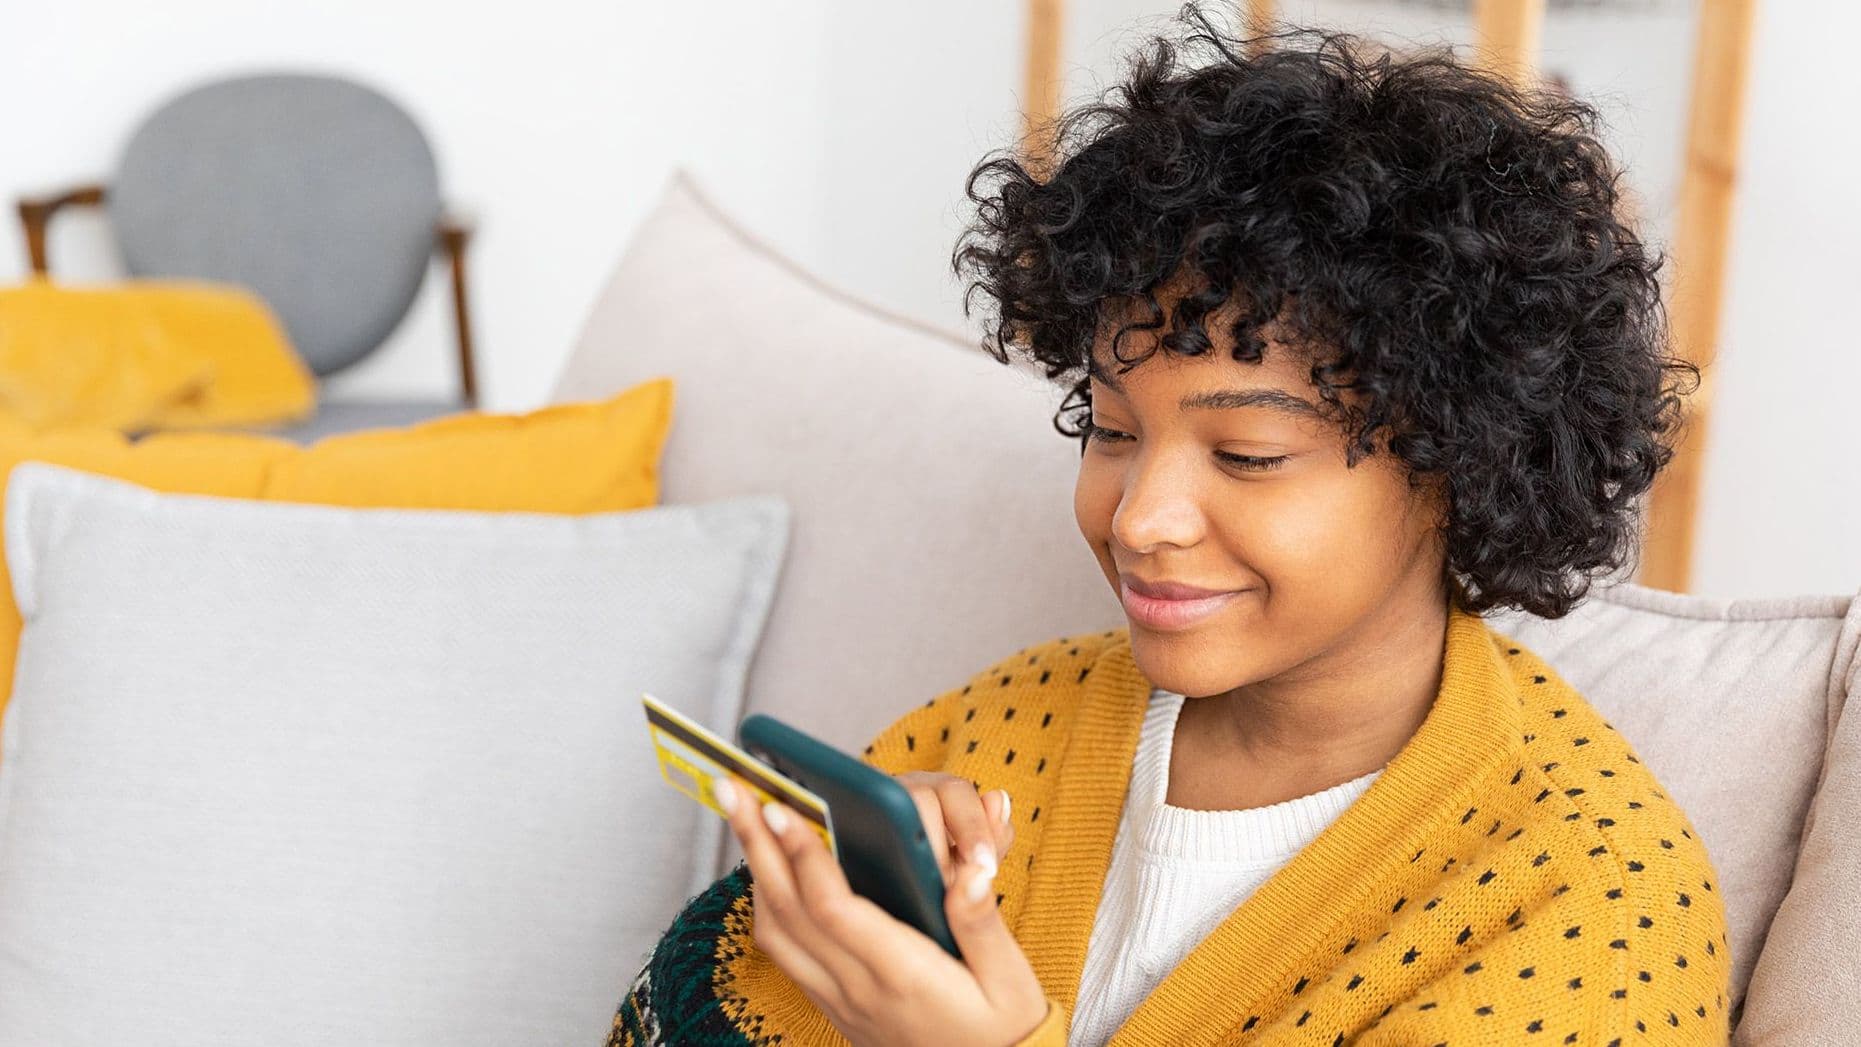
(1338, 716)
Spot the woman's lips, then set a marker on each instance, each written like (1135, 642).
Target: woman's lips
(1171, 614)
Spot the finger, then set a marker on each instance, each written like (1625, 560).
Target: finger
(887, 958)
(841, 931)
(989, 948)
(970, 832)
(853, 927)
(998, 806)
(930, 813)
(778, 924)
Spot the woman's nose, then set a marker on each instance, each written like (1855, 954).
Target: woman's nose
(1161, 505)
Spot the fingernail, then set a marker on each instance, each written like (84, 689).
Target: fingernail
(725, 792)
(984, 856)
(774, 817)
(979, 884)
(1005, 804)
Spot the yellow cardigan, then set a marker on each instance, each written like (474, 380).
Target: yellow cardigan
(1515, 875)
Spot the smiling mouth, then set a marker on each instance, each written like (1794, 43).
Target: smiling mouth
(1163, 614)
(1170, 590)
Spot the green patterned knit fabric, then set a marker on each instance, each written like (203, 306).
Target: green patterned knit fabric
(671, 1000)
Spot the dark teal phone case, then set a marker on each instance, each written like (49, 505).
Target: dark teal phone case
(883, 849)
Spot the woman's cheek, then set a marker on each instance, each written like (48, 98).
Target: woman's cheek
(1302, 535)
(1095, 500)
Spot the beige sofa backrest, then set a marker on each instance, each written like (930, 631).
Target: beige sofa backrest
(931, 494)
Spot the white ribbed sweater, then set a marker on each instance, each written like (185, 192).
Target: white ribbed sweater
(1176, 873)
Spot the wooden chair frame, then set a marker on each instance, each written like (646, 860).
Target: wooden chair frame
(451, 234)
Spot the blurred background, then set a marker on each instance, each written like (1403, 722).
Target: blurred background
(841, 133)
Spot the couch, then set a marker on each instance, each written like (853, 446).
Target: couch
(928, 496)
(928, 518)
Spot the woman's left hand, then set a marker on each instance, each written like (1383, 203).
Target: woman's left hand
(876, 978)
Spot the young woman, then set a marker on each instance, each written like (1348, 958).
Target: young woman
(1360, 346)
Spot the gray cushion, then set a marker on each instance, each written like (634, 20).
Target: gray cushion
(305, 775)
(319, 194)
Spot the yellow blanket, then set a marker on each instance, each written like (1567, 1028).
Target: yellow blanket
(142, 355)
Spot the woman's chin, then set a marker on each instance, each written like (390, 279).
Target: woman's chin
(1185, 664)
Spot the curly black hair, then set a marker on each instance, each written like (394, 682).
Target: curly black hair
(1445, 244)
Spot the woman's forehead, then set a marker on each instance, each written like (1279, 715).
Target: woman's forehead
(1278, 365)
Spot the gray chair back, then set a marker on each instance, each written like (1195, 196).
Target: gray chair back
(319, 194)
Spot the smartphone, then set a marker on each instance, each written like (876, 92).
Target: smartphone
(884, 852)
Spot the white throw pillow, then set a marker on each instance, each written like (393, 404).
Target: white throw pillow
(292, 774)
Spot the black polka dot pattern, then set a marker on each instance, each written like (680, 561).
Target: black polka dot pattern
(1564, 898)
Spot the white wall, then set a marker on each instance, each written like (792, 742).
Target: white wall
(1780, 513)
(842, 131)
(916, 93)
(554, 121)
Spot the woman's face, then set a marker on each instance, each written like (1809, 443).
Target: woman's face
(1213, 473)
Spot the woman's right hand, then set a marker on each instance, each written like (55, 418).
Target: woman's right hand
(962, 824)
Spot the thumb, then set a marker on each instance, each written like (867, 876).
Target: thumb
(989, 948)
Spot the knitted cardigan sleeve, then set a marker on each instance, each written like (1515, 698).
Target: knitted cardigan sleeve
(1638, 981)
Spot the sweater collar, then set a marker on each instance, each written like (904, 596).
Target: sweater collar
(1473, 724)
(1268, 835)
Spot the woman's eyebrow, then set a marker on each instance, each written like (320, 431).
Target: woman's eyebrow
(1228, 399)
(1272, 399)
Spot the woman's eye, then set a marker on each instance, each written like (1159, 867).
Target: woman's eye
(1247, 462)
(1244, 461)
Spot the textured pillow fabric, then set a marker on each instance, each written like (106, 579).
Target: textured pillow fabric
(1730, 702)
(597, 456)
(147, 354)
(933, 497)
(293, 774)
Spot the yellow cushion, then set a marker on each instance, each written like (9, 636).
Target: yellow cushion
(77, 357)
(147, 354)
(257, 377)
(599, 456)
(574, 457)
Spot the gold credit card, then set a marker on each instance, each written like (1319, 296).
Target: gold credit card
(691, 756)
